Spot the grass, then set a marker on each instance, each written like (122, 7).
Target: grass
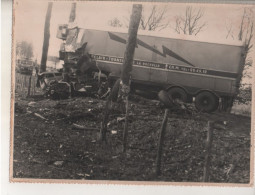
(242, 109)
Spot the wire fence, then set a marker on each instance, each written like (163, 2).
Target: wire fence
(25, 85)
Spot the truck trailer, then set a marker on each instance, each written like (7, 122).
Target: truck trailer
(190, 70)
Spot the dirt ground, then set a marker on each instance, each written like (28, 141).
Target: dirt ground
(47, 146)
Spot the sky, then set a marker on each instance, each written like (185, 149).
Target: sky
(30, 18)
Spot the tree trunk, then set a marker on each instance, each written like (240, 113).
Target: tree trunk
(131, 43)
(128, 62)
(46, 38)
(72, 13)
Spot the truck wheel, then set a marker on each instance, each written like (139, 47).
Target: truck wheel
(177, 93)
(206, 102)
(164, 98)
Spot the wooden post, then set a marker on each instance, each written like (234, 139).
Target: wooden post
(29, 86)
(124, 88)
(46, 38)
(103, 129)
(208, 152)
(125, 132)
(22, 83)
(161, 142)
(33, 85)
(110, 99)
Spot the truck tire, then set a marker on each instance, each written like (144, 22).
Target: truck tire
(206, 102)
(177, 93)
(165, 99)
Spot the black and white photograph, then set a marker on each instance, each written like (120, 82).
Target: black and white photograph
(132, 93)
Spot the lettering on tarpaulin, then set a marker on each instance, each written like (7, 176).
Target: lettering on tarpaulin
(172, 67)
(136, 62)
(115, 59)
(151, 64)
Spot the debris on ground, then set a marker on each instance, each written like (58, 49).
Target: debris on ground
(52, 149)
(40, 116)
(58, 163)
(31, 103)
(80, 127)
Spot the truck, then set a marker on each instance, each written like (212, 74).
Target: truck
(25, 65)
(204, 72)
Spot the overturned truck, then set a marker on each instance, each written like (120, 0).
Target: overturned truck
(190, 70)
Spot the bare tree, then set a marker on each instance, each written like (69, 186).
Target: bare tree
(244, 29)
(154, 19)
(115, 22)
(229, 28)
(191, 23)
(247, 28)
(24, 49)
(245, 34)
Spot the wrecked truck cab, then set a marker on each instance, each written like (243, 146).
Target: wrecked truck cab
(58, 90)
(45, 78)
(54, 85)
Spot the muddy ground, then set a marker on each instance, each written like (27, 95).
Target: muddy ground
(47, 146)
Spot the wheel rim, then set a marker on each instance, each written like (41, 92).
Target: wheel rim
(178, 94)
(206, 102)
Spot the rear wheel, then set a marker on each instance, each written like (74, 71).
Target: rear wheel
(177, 93)
(206, 102)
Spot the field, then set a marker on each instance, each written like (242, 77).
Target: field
(48, 146)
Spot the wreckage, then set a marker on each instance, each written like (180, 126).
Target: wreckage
(25, 66)
(189, 70)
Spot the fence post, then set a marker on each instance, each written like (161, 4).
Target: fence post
(34, 83)
(21, 80)
(106, 112)
(161, 142)
(208, 152)
(125, 132)
(29, 86)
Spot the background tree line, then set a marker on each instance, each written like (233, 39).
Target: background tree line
(24, 49)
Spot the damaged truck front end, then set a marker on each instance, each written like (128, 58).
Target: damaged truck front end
(80, 69)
